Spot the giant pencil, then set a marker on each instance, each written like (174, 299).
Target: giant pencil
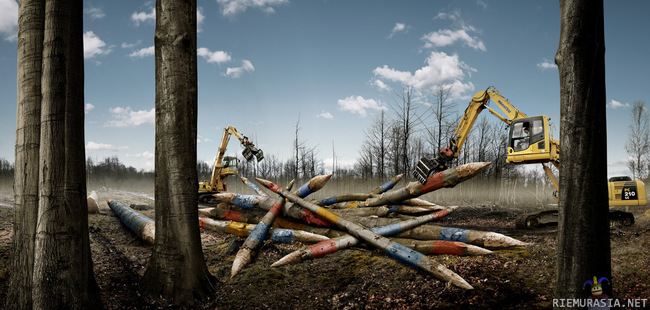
(141, 225)
(442, 247)
(253, 186)
(256, 238)
(332, 245)
(388, 185)
(392, 248)
(243, 229)
(339, 200)
(485, 239)
(446, 178)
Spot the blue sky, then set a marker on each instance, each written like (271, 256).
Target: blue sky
(334, 65)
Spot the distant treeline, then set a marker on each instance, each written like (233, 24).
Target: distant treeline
(509, 185)
(6, 169)
(111, 167)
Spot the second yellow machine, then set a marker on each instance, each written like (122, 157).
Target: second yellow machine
(227, 165)
(529, 142)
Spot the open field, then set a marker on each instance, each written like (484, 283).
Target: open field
(517, 278)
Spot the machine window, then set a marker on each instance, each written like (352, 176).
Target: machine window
(520, 136)
(537, 127)
(518, 131)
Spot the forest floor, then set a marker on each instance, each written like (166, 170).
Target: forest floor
(357, 278)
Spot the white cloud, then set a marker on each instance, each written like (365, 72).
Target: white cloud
(325, 115)
(126, 117)
(131, 45)
(446, 37)
(95, 13)
(144, 155)
(359, 105)
(237, 72)
(234, 7)
(88, 107)
(199, 19)
(218, 57)
(440, 69)
(92, 146)
(142, 17)
(200, 139)
(453, 16)
(9, 19)
(143, 52)
(613, 104)
(399, 27)
(381, 85)
(546, 65)
(94, 46)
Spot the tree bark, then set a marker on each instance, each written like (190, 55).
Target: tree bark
(28, 121)
(177, 269)
(583, 235)
(62, 276)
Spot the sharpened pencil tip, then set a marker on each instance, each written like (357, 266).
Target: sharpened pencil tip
(292, 258)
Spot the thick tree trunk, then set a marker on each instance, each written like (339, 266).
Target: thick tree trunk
(52, 267)
(28, 123)
(177, 269)
(583, 236)
(75, 192)
(62, 267)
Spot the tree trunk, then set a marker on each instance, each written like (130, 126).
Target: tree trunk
(62, 275)
(28, 121)
(583, 234)
(177, 269)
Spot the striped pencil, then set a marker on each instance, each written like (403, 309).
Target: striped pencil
(141, 225)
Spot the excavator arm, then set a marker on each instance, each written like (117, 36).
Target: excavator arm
(427, 166)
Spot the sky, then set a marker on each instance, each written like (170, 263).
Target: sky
(330, 67)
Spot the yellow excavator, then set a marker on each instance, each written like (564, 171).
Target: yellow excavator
(227, 165)
(529, 142)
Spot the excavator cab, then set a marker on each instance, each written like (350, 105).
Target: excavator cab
(229, 165)
(530, 141)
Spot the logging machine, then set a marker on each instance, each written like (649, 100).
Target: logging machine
(227, 165)
(529, 142)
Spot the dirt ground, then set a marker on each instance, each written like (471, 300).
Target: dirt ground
(358, 278)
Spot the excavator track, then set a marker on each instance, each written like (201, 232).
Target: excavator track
(550, 217)
(537, 219)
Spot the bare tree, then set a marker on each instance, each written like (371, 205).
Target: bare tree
(297, 146)
(365, 162)
(638, 142)
(377, 145)
(405, 111)
(484, 139)
(442, 110)
(395, 147)
(583, 232)
(177, 269)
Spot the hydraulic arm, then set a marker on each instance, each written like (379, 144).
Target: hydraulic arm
(427, 166)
